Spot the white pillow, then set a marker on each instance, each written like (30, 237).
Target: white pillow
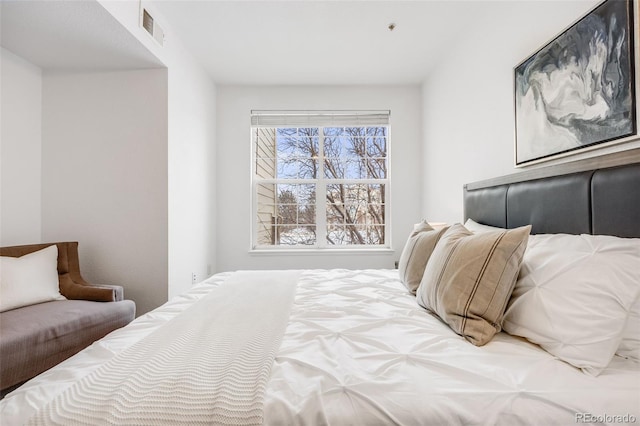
(630, 344)
(477, 228)
(574, 294)
(30, 279)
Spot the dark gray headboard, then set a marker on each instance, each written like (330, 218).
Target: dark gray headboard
(598, 201)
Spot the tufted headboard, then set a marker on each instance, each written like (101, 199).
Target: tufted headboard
(597, 201)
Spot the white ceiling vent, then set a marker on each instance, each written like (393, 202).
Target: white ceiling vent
(152, 27)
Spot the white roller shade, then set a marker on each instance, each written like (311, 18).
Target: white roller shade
(319, 118)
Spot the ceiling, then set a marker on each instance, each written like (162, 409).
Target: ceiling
(317, 42)
(70, 35)
(286, 42)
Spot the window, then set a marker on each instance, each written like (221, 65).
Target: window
(320, 179)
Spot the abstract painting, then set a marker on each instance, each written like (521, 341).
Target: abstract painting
(579, 89)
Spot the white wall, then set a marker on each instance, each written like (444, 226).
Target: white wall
(191, 150)
(192, 179)
(104, 176)
(468, 115)
(234, 167)
(20, 150)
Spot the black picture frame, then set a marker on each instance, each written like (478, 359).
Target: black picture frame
(578, 90)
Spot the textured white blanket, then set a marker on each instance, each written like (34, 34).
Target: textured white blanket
(209, 365)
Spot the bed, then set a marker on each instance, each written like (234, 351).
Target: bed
(338, 347)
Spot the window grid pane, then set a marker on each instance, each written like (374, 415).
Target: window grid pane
(355, 214)
(355, 152)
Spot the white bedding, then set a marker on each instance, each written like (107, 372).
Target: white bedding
(359, 350)
(207, 366)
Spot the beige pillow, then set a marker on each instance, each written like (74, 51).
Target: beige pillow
(416, 253)
(469, 279)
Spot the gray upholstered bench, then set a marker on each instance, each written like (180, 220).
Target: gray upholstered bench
(34, 338)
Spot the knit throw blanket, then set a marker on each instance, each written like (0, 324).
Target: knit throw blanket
(209, 365)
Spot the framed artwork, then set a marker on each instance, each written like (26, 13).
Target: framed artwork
(579, 89)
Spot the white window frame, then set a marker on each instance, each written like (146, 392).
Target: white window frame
(304, 119)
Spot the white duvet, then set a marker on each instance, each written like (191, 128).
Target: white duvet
(359, 350)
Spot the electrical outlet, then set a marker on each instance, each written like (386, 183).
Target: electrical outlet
(194, 278)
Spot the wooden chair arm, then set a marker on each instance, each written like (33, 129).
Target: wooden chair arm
(73, 290)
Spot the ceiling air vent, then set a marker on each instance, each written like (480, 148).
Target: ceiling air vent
(152, 27)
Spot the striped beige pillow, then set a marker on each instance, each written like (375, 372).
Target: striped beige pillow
(469, 279)
(416, 253)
